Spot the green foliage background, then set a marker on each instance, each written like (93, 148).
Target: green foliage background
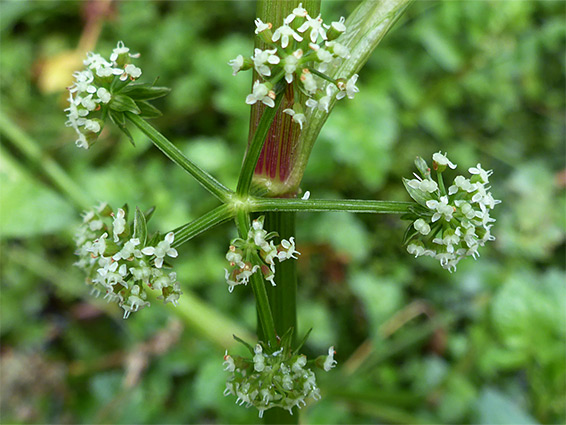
(482, 80)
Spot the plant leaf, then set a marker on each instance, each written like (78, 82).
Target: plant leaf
(123, 103)
(297, 349)
(140, 227)
(148, 110)
(120, 121)
(145, 91)
(241, 341)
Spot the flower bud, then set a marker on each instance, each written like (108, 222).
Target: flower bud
(336, 29)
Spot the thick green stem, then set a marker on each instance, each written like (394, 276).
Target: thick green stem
(254, 148)
(173, 153)
(350, 205)
(282, 298)
(271, 176)
(278, 156)
(207, 221)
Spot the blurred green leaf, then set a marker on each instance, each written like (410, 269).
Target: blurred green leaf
(29, 208)
(494, 407)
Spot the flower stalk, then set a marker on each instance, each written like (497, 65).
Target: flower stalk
(320, 205)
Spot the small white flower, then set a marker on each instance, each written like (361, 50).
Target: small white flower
(441, 159)
(99, 245)
(229, 364)
(422, 226)
(261, 57)
(95, 61)
(441, 207)
(119, 50)
(270, 254)
(104, 95)
(338, 49)
(162, 249)
(324, 102)
(329, 363)
(262, 93)
(290, 66)
(91, 125)
(261, 26)
(236, 64)
(142, 273)
(325, 57)
(338, 25)
(308, 81)
(484, 175)
(88, 102)
(81, 142)
(429, 186)
(299, 11)
(235, 258)
(426, 185)
(108, 71)
(244, 276)
(289, 250)
(128, 251)
(231, 283)
(416, 249)
(349, 89)
(83, 80)
(131, 71)
(259, 359)
(119, 224)
(315, 25)
(299, 118)
(283, 33)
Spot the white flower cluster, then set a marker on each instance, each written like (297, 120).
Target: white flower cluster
(120, 266)
(92, 89)
(450, 223)
(241, 255)
(280, 379)
(302, 50)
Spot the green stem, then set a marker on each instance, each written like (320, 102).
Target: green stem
(33, 152)
(266, 324)
(441, 183)
(254, 148)
(282, 298)
(212, 218)
(323, 76)
(173, 153)
(351, 205)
